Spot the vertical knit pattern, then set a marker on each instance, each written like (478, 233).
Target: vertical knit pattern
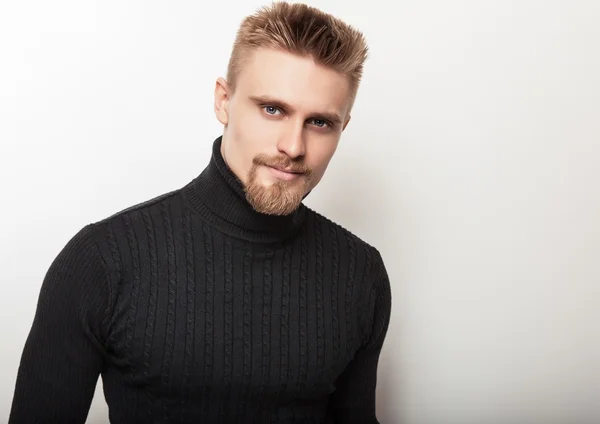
(266, 328)
(349, 289)
(208, 318)
(335, 262)
(246, 335)
(303, 313)
(133, 298)
(190, 320)
(169, 344)
(285, 317)
(152, 302)
(319, 298)
(228, 328)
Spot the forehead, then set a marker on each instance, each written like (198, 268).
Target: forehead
(294, 79)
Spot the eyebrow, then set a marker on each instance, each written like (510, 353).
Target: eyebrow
(266, 100)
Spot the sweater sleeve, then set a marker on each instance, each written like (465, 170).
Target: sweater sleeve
(63, 354)
(354, 398)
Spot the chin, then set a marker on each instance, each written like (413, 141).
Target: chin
(278, 198)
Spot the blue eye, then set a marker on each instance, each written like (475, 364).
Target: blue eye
(320, 123)
(271, 110)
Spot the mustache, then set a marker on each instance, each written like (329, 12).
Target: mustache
(283, 162)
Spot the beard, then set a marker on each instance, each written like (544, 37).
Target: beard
(282, 197)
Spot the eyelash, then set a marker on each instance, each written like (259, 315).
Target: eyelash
(327, 124)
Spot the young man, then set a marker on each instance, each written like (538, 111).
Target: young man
(228, 300)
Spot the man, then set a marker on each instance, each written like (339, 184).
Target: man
(228, 300)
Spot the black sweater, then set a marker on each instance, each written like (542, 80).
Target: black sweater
(194, 308)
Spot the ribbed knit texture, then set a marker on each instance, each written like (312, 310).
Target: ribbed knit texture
(194, 308)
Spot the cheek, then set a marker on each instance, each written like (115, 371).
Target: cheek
(244, 132)
(320, 159)
(320, 150)
(252, 132)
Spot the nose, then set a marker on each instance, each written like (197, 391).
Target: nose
(292, 143)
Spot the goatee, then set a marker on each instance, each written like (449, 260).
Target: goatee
(282, 197)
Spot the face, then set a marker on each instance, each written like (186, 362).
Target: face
(282, 126)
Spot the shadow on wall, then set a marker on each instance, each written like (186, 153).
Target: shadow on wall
(388, 395)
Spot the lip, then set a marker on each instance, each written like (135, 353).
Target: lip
(284, 174)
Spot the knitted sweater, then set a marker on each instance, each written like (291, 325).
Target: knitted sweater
(194, 308)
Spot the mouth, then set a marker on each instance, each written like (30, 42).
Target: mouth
(285, 174)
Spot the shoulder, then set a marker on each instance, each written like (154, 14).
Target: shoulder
(78, 269)
(116, 234)
(363, 262)
(131, 220)
(355, 244)
(145, 206)
(84, 239)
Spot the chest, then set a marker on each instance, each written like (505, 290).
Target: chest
(221, 318)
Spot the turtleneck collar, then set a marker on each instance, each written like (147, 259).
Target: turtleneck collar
(219, 196)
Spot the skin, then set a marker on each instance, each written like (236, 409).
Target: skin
(282, 125)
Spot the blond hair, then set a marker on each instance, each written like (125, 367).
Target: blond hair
(303, 30)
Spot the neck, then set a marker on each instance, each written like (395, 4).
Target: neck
(219, 196)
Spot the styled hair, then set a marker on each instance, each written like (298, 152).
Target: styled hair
(303, 30)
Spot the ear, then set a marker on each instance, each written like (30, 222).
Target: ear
(222, 101)
(346, 123)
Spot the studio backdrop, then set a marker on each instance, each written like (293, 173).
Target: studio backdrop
(472, 162)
